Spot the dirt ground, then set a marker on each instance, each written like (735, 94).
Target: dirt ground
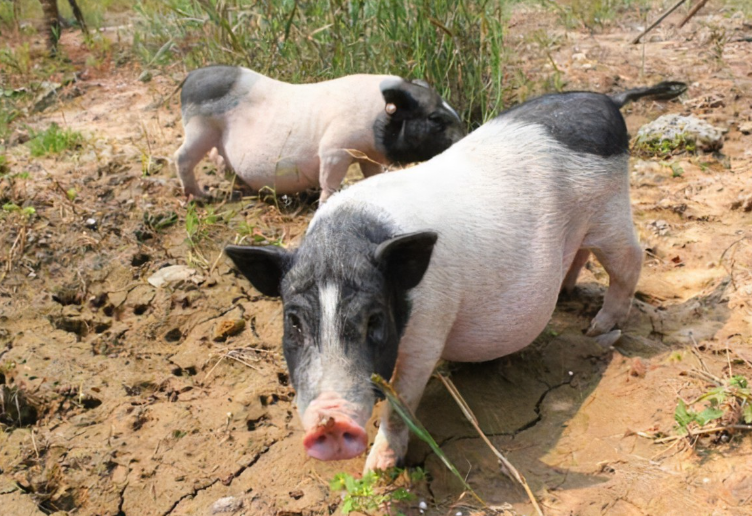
(144, 405)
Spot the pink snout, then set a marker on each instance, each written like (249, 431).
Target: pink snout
(335, 438)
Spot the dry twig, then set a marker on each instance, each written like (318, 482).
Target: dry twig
(508, 466)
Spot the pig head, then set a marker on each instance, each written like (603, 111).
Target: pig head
(343, 320)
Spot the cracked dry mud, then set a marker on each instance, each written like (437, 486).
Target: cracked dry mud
(141, 412)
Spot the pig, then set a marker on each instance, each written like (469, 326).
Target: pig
(404, 269)
(292, 137)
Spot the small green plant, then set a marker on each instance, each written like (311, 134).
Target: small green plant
(665, 147)
(54, 140)
(160, 221)
(733, 398)
(71, 193)
(373, 494)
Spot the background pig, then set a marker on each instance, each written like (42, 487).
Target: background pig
(404, 269)
(291, 137)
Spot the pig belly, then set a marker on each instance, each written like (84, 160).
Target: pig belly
(496, 319)
(286, 172)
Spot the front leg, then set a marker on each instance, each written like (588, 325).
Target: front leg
(420, 350)
(332, 171)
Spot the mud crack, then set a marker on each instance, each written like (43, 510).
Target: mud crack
(537, 409)
(537, 419)
(226, 481)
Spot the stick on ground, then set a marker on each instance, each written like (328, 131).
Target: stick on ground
(658, 21)
(694, 10)
(474, 421)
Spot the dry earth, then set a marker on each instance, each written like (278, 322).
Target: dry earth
(145, 406)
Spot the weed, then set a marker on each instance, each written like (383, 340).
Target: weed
(373, 494)
(592, 14)
(197, 224)
(664, 147)
(731, 400)
(456, 46)
(54, 140)
(160, 221)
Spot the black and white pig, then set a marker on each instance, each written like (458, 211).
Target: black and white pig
(461, 258)
(291, 137)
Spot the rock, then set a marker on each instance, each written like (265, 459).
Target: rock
(173, 274)
(746, 127)
(228, 504)
(671, 133)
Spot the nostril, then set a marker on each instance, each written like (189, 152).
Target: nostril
(347, 436)
(321, 439)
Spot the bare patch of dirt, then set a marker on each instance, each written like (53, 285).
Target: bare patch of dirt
(163, 400)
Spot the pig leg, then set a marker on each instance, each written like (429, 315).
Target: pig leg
(618, 250)
(199, 139)
(332, 171)
(369, 168)
(570, 280)
(419, 351)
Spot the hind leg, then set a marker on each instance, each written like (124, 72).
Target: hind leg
(618, 250)
(199, 139)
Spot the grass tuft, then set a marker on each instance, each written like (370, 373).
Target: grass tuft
(54, 140)
(455, 46)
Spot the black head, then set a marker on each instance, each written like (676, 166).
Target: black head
(417, 124)
(345, 305)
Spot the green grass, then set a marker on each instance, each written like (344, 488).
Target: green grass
(457, 46)
(54, 140)
(733, 396)
(93, 11)
(375, 493)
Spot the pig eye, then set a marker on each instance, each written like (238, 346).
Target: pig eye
(391, 109)
(294, 323)
(376, 327)
(436, 119)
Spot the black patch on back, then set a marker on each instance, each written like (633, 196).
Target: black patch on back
(582, 121)
(208, 84)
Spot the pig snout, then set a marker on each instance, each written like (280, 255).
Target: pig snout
(332, 430)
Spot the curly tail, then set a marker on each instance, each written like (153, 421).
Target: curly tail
(662, 91)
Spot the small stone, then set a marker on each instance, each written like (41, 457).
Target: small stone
(91, 223)
(227, 504)
(422, 505)
(228, 328)
(638, 369)
(746, 128)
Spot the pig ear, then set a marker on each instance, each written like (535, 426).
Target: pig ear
(395, 93)
(263, 266)
(405, 258)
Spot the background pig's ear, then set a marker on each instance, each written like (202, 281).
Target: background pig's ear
(263, 266)
(405, 258)
(395, 91)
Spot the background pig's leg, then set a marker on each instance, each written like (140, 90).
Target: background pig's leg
(369, 168)
(333, 168)
(570, 280)
(199, 139)
(420, 350)
(618, 250)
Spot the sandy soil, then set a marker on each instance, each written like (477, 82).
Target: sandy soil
(143, 405)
